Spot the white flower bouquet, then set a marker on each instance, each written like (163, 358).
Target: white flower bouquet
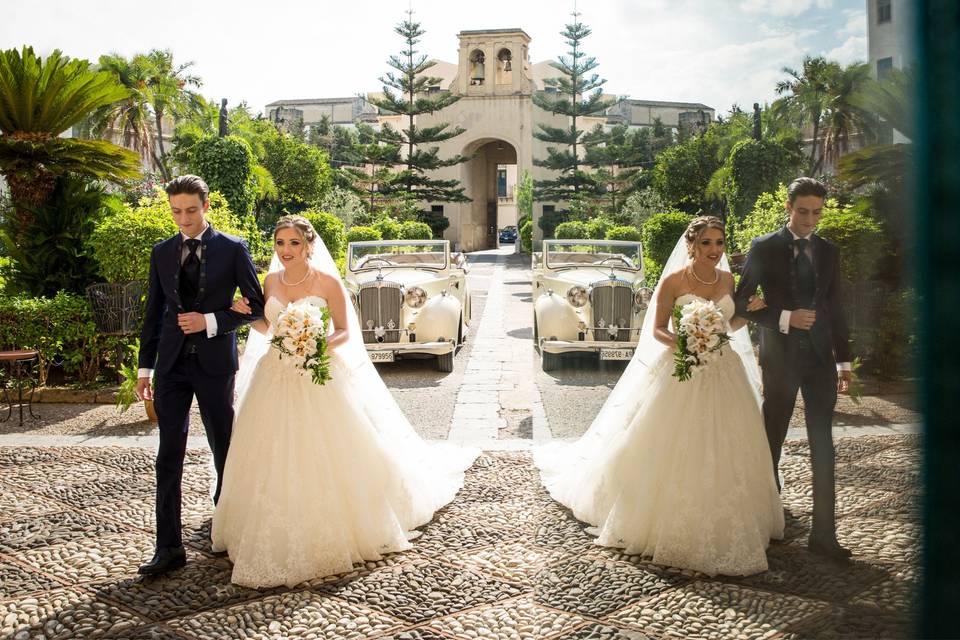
(701, 334)
(301, 339)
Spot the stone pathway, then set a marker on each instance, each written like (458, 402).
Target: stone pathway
(502, 561)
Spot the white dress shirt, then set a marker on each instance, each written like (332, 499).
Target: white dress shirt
(210, 318)
(785, 314)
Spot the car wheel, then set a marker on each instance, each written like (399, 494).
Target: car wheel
(445, 362)
(549, 361)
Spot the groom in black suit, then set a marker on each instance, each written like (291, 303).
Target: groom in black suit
(189, 339)
(804, 342)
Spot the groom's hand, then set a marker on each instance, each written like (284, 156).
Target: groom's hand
(192, 322)
(802, 318)
(144, 389)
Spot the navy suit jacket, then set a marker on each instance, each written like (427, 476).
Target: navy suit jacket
(771, 265)
(225, 265)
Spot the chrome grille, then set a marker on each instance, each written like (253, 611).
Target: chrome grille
(612, 303)
(380, 307)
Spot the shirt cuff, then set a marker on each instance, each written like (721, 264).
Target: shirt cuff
(844, 366)
(785, 321)
(144, 373)
(211, 324)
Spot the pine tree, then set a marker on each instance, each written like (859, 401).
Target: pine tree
(579, 93)
(408, 92)
(616, 158)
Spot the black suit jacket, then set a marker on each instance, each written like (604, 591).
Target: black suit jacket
(225, 265)
(770, 264)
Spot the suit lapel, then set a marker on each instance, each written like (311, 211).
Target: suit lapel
(819, 265)
(176, 249)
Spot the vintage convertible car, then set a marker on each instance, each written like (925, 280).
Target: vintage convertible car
(588, 295)
(411, 297)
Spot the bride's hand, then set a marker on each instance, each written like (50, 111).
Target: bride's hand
(756, 303)
(242, 305)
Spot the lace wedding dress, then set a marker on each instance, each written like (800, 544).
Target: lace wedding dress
(313, 484)
(680, 472)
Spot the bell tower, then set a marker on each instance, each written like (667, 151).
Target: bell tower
(494, 62)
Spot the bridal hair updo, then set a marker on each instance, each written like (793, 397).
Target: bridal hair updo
(302, 226)
(696, 228)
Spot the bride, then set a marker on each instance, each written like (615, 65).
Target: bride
(678, 471)
(319, 478)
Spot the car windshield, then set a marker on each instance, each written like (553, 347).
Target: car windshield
(398, 254)
(586, 253)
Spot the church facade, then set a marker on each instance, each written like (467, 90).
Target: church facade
(496, 82)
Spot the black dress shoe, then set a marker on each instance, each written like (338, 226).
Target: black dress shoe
(829, 549)
(164, 561)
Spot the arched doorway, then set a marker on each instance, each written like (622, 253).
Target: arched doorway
(490, 178)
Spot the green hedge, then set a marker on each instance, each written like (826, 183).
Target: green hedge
(389, 229)
(573, 230)
(526, 235)
(227, 166)
(62, 330)
(628, 233)
(856, 234)
(330, 229)
(598, 227)
(122, 241)
(411, 230)
(660, 234)
(363, 234)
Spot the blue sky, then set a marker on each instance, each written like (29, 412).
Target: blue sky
(716, 52)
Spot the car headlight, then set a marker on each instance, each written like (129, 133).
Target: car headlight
(577, 296)
(415, 297)
(353, 300)
(642, 298)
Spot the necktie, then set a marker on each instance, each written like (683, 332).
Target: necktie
(190, 275)
(806, 279)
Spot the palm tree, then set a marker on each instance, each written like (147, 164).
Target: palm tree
(39, 100)
(843, 118)
(169, 95)
(884, 163)
(130, 118)
(806, 96)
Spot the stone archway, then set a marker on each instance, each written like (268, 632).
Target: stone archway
(492, 206)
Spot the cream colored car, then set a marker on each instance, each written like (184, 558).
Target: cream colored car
(588, 295)
(411, 296)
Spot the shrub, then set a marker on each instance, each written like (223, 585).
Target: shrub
(62, 330)
(631, 234)
(49, 251)
(227, 166)
(363, 234)
(574, 230)
(660, 235)
(642, 204)
(757, 166)
(856, 234)
(437, 222)
(150, 222)
(598, 227)
(6, 268)
(411, 230)
(344, 204)
(330, 229)
(549, 220)
(389, 228)
(526, 235)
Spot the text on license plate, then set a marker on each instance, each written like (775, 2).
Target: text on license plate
(616, 354)
(381, 356)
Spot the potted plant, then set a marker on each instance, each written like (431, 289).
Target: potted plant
(127, 394)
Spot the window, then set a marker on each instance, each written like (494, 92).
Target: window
(501, 183)
(884, 66)
(884, 11)
(437, 208)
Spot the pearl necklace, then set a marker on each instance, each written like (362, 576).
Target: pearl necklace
(716, 278)
(293, 284)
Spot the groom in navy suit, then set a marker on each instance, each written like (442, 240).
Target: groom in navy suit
(804, 342)
(189, 340)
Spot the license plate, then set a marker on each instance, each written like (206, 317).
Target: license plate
(381, 356)
(616, 354)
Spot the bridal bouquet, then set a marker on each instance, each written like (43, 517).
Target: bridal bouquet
(301, 337)
(701, 334)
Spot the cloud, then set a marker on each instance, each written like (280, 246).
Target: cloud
(783, 8)
(853, 49)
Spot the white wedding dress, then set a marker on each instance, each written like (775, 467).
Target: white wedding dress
(314, 483)
(679, 472)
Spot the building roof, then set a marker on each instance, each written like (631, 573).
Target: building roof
(477, 32)
(282, 103)
(659, 103)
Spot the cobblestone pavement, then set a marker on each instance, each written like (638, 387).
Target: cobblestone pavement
(501, 561)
